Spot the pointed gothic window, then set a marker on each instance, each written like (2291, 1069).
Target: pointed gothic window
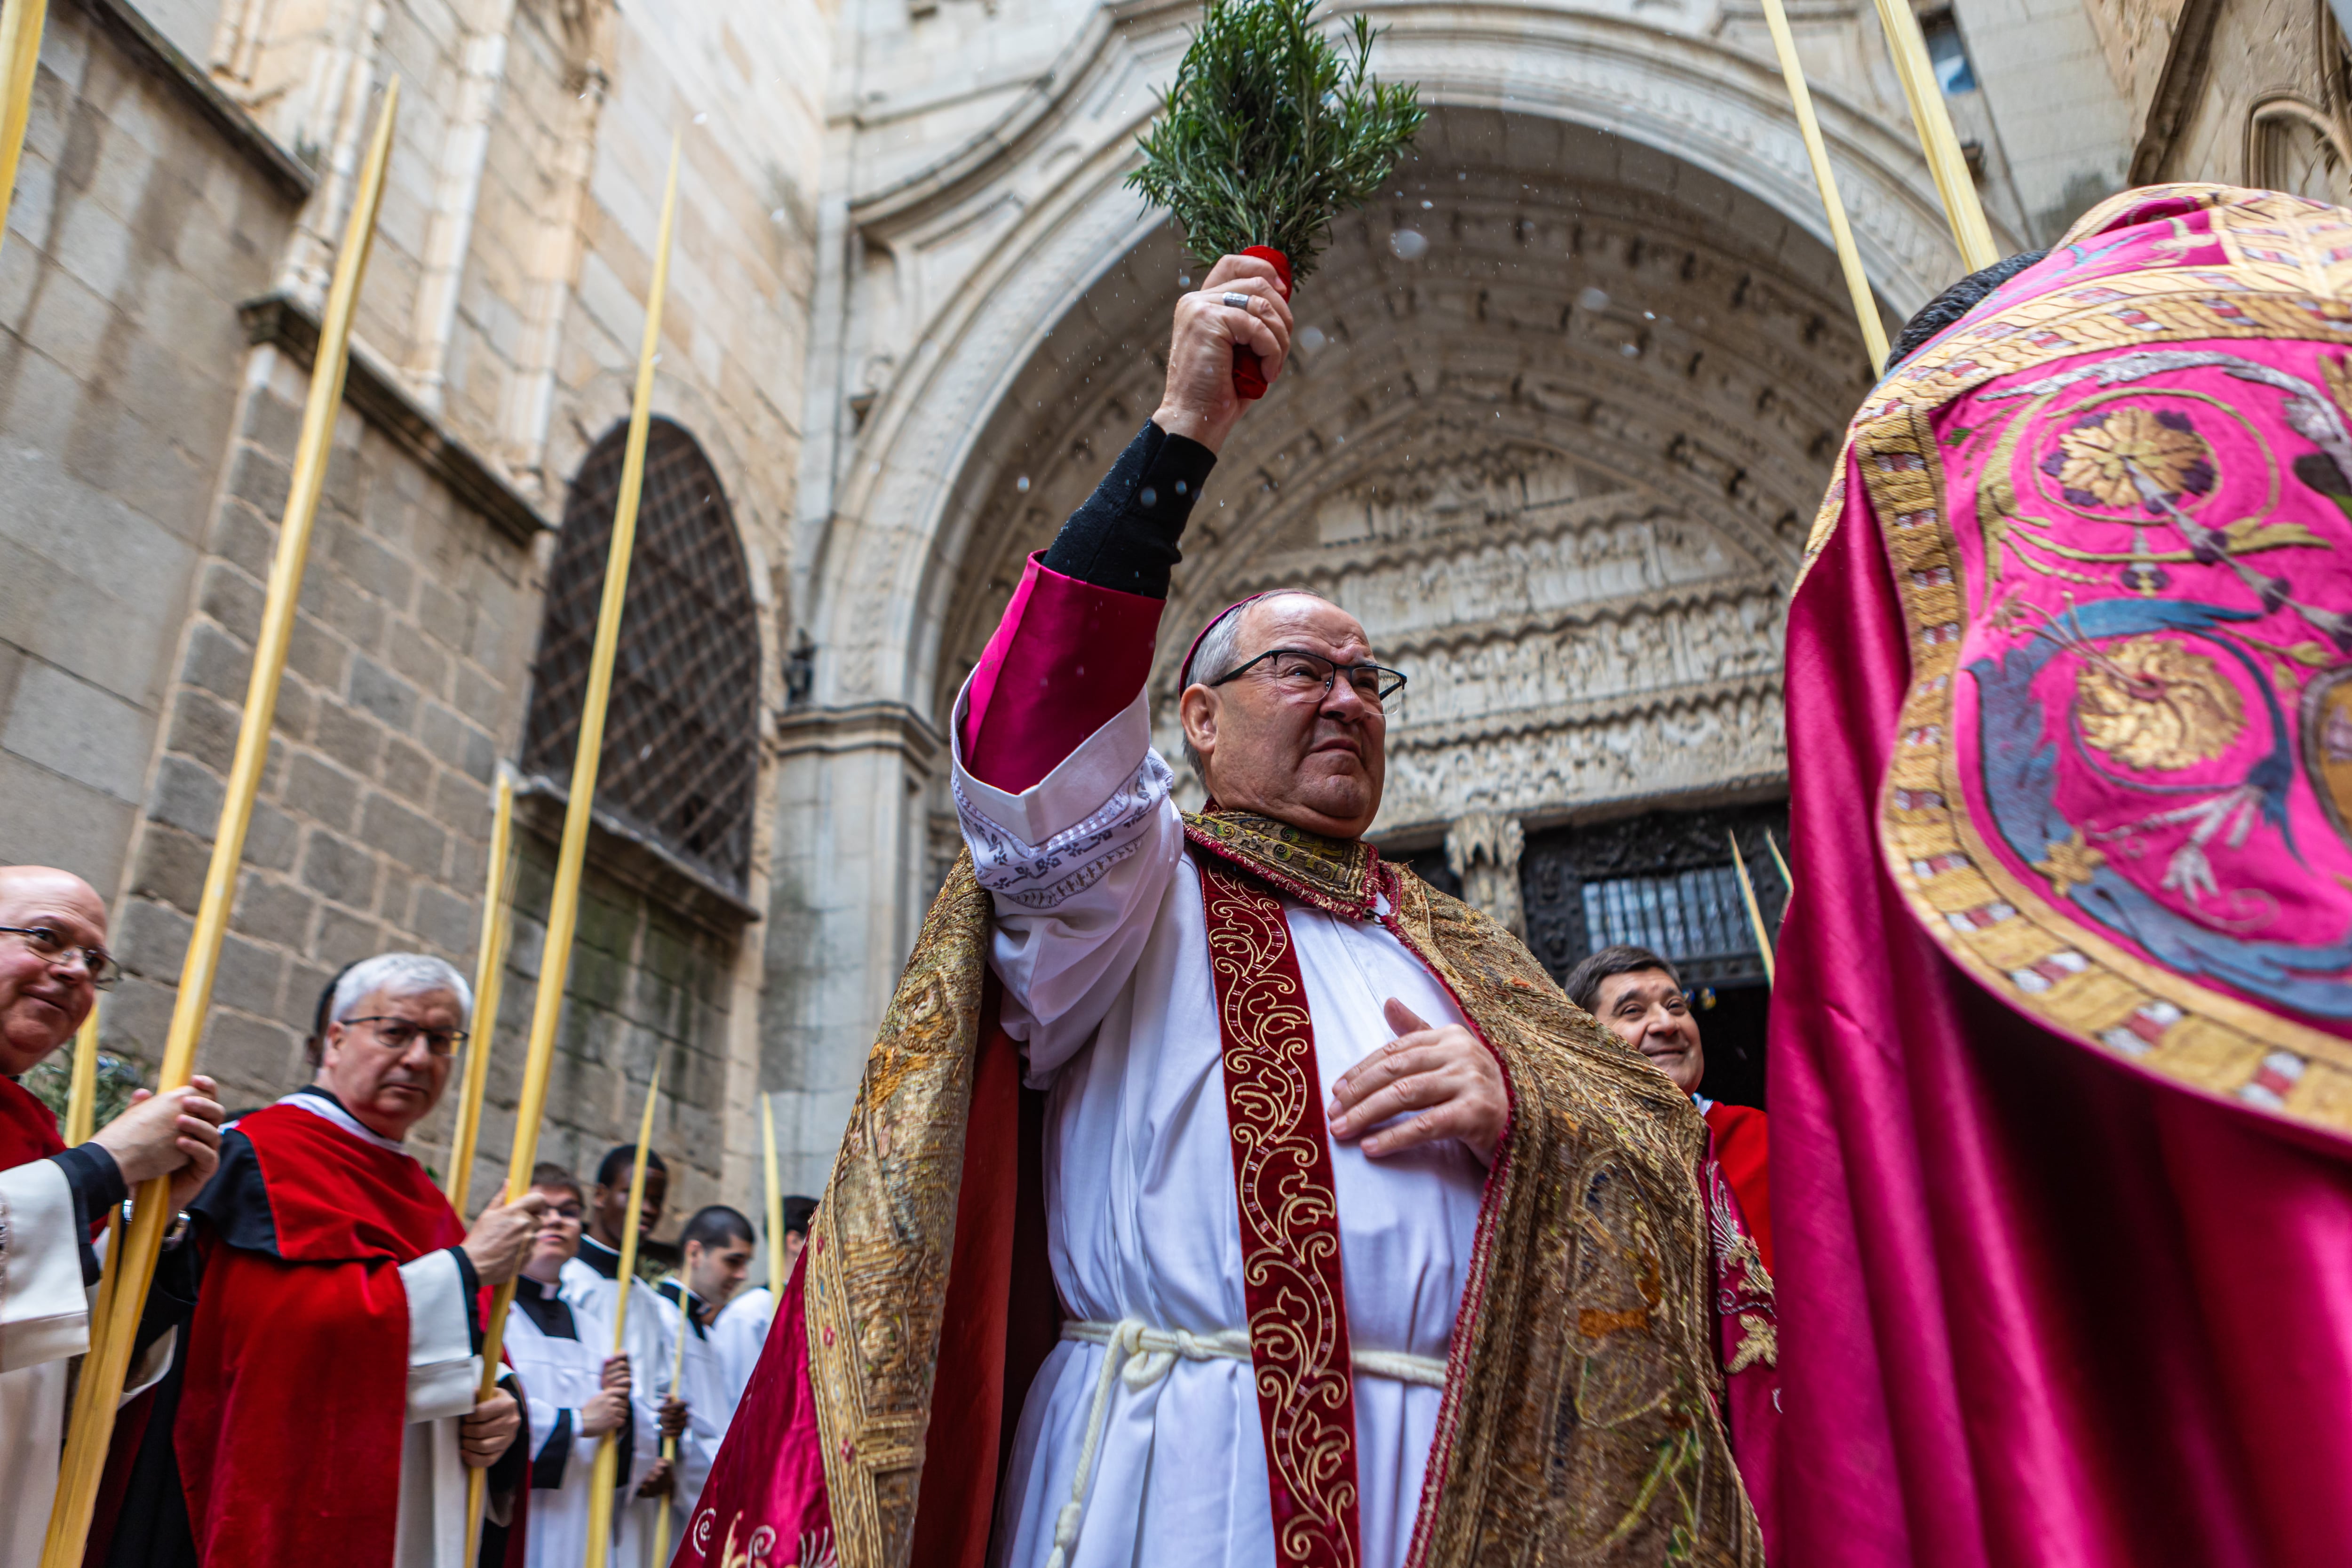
(680, 738)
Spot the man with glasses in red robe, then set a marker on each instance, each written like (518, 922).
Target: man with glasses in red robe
(331, 1305)
(53, 964)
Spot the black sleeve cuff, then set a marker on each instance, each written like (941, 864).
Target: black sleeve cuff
(97, 1184)
(1124, 536)
(97, 1181)
(469, 1281)
(546, 1469)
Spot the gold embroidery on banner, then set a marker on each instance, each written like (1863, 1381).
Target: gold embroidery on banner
(1760, 1340)
(2000, 929)
(2268, 285)
(1334, 874)
(880, 1242)
(2104, 453)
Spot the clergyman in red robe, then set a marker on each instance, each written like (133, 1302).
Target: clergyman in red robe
(322, 1406)
(2061, 1050)
(53, 963)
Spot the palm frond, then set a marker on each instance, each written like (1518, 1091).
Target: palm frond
(1272, 130)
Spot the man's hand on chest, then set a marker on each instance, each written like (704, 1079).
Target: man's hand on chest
(1443, 1077)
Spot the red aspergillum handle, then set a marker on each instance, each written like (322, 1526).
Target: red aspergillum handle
(1248, 380)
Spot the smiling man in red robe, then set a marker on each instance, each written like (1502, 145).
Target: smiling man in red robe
(332, 1306)
(53, 964)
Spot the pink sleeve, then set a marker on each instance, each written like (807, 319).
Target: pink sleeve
(1066, 659)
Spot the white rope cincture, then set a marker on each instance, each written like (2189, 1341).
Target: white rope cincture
(1139, 1356)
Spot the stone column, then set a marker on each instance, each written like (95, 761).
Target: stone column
(1484, 848)
(843, 905)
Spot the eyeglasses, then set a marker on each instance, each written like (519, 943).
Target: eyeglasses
(1298, 673)
(50, 947)
(398, 1034)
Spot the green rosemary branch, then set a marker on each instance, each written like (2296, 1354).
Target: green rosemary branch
(1271, 131)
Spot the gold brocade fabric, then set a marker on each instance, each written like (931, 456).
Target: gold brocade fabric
(1581, 1420)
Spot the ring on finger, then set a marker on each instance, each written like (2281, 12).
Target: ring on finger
(1236, 301)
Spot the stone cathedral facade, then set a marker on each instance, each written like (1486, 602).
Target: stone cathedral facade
(1564, 400)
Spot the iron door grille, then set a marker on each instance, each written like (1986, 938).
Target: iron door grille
(680, 758)
(1695, 918)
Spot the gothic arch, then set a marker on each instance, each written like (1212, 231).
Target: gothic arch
(975, 267)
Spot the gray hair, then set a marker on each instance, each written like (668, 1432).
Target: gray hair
(1218, 651)
(399, 975)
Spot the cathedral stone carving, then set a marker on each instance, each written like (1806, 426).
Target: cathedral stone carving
(1484, 848)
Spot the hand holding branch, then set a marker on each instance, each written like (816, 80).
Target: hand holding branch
(485, 1436)
(501, 1238)
(1200, 401)
(609, 1407)
(175, 1134)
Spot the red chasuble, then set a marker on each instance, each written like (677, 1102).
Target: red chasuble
(29, 1129)
(299, 1352)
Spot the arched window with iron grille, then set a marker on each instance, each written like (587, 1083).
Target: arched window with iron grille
(680, 738)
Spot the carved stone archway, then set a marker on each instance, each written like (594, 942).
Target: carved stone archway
(1554, 437)
(977, 265)
(1637, 467)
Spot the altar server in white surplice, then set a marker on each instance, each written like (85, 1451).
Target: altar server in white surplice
(592, 1280)
(741, 1331)
(715, 1252)
(576, 1390)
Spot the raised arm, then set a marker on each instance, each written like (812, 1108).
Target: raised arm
(1061, 797)
(1075, 644)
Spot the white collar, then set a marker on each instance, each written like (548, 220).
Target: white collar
(1703, 1102)
(324, 1106)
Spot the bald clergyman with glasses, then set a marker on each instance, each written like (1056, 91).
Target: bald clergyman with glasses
(53, 964)
(328, 1305)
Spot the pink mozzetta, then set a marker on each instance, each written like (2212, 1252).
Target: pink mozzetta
(1067, 658)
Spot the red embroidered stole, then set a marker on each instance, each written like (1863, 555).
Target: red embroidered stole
(1291, 1277)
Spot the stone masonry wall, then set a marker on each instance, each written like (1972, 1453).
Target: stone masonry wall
(404, 682)
(404, 686)
(145, 450)
(134, 233)
(645, 985)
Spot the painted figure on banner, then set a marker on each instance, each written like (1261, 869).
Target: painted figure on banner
(2063, 1075)
(1367, 1236)
(54, 1200)
(324, 1293)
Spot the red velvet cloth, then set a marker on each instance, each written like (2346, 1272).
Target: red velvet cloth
(1002, 1319)
(1066, 659)
(1739, 1148)
(302, 1358)
(2037, 1306)
(29, 1129)
(767, 1486)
